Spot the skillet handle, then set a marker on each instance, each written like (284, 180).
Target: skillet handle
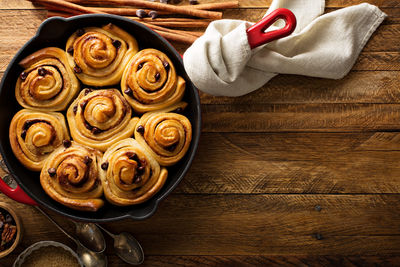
(256, 34)
(16, 194)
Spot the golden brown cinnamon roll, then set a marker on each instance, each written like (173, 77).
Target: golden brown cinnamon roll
(150, 82)
(165, 134)
(47, 83)
(70, 176)
(34, 135)
(130, 175)
(100, 118)
(99, 56)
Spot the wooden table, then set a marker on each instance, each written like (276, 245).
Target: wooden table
(304, 171)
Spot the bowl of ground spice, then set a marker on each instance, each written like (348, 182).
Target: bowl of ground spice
(48, 253)
(10, 229)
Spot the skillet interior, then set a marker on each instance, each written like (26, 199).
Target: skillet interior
(55, 32)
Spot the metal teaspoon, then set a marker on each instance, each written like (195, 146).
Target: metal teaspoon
(127, 247)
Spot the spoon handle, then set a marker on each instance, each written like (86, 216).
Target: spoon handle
(110, 234)
(56, 224)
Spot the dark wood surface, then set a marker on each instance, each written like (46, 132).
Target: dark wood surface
(304, 171)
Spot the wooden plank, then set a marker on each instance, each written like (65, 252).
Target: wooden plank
(23, 4)
(253, 225)
(300, 163)
(356, 87)
(301, 118)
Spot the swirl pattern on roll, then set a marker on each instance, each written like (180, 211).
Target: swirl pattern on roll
(47, 82)
(130, 175)
(165, 134)
(150, 82)
(70, 176)
(100, 118)
(34, 135)
(99, 56)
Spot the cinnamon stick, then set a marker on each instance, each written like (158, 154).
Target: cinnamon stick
(189, 33)
(178, 24)
(64, 5)
(215, 6)
(176, 37)
(183, 10)
(208, 6)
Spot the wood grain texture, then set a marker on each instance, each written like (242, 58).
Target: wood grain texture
(357, 87)
(295, 163)
(301, 118)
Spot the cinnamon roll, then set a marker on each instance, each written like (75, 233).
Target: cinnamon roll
(99, 56)
(100, 118)
(150, 82)
(130, 175)
(35, 134)
(70, 176)
(47, 83)
(165, 134)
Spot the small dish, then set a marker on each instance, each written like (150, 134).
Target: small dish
(18, 224)
(21, 259)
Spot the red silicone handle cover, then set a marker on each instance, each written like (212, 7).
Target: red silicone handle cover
(16, 194)
(256, 34)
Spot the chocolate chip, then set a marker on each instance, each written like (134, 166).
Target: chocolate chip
(116, 43)
(23, 75)
(153, 14)
(51, 172)
(141, 169)
(70, 50)
(23, 134)
(42, 71)
(140, 66)
(138, 180)
(166, 65)
(171, 147)
(87, 91)
(77, 69)
(104, 165)
(66, 143)
(318, 208)
(193, 2)
(128, 91)
(142, 162)
(75, 109)
(80, 32)
(88, 126)
(96, 130)
(87, 160)
(141, 13)
(140, 129)
(131, 155)
(157, 76)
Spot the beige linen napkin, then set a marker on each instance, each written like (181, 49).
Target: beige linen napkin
(221, 62)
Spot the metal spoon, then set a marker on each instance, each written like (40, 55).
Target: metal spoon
(127, 247)
(88, 257)
(90, 236)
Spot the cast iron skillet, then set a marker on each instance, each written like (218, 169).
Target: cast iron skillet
(55, 32)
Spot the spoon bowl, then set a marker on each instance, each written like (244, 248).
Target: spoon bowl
(90, 236)
(126, 247)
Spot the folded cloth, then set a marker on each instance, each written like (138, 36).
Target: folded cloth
(221, 62)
